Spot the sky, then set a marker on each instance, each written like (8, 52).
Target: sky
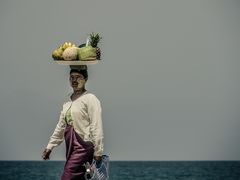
(168, 80)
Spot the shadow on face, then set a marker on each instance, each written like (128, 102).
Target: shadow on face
(77, 80)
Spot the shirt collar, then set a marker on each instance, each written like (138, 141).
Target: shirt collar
(70, 93)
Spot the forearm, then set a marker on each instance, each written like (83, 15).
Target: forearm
(98, 146)
(58, 135)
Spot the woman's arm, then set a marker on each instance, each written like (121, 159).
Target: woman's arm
(58, 135)
(56, 138)
(96, 127)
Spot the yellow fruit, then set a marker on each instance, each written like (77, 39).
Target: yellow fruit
(67, 44)
(57, 54)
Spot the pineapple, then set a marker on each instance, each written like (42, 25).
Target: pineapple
(94, 40)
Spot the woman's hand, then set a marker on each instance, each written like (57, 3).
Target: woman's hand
(46, 153)
(98, 158)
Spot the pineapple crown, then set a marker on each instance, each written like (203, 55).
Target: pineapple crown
(94, 39)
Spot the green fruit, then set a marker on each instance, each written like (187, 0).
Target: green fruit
(86, 53)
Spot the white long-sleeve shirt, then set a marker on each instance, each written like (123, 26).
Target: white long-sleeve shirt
(86, 113)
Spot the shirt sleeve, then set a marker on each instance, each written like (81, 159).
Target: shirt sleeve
(96, 127)
(58, 135)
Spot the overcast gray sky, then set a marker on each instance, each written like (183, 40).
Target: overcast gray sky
(168, 80)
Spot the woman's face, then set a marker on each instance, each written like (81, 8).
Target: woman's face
(77, 80)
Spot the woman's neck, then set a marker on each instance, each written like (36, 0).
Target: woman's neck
(79, 91)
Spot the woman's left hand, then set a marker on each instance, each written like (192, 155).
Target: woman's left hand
(98, 158)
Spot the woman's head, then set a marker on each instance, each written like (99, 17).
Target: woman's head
(78, 77)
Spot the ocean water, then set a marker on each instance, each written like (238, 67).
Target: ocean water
(128, 170)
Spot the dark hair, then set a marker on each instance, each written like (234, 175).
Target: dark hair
(84, 72)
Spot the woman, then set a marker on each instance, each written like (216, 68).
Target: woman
(80, 124)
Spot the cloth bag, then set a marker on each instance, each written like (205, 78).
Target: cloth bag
(98, 170)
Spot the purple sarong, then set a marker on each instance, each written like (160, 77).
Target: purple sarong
(78, 152)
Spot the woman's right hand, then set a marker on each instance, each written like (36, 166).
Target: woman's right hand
(46, 153)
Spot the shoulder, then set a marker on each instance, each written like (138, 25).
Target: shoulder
(91, 98)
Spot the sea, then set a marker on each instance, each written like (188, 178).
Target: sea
(128, 170)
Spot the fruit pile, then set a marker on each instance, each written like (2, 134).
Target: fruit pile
(70, 52)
